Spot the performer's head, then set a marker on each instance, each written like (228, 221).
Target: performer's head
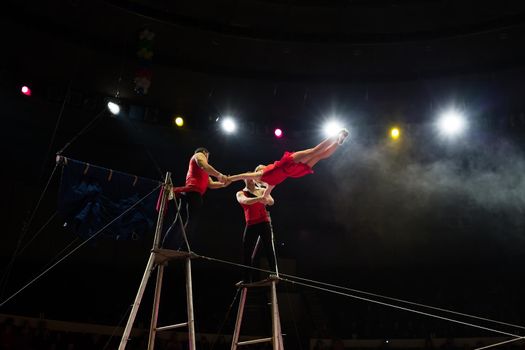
(203, 151)
(252, 184)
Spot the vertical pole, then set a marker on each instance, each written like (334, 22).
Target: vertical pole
(155, 312)
(273, 248)
(149, 267)
(238, 322)
(160, 218)
(189, 296)
(275, 320)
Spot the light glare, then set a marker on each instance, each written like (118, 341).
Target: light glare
(452, 123)
(228, 125)
(113, 108)
(278, 132)
(331, 128)
(26, 90)
(395, 133)
(179, 121)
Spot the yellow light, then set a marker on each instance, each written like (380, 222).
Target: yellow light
(179, 121)
(395, 133)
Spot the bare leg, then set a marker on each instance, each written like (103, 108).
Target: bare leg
(323, 155)
(323, 150)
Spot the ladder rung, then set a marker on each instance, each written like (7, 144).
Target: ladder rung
(166, 328)
(255, 341)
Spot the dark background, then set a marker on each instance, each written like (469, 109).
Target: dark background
(431, 220)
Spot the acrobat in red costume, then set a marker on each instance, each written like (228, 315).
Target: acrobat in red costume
(293, 164)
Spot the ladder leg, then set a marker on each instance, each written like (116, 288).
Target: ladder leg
(276, 324)
(189, 297)
(238, 322)
(136, 303)
(155, 312)
(281, 345)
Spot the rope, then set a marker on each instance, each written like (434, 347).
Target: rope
(500, 343)
(83, 130)
(116, 327)
(78, 247)
(401, 308)
(37, 233)
(23, 233)
(363, 298)
(225, 318)
(59, 118)
(408, 302)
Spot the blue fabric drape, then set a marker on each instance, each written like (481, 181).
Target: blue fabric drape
(91, 196)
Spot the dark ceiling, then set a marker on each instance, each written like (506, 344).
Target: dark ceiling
(216, 52)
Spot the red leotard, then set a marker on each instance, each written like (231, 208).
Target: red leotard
(285, 167)
(254, 213)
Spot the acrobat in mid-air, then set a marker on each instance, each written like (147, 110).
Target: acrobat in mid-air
(293, 164)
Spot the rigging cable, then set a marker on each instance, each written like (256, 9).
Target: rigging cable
(369, 299)
(79, 246)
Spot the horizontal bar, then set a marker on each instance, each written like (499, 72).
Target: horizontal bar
(165, 328)
(255, 341)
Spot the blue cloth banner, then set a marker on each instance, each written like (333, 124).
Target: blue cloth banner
(90, 197)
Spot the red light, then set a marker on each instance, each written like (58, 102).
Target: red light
(26, 91)
(278, 132)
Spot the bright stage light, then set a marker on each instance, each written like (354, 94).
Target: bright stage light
(228, 125)
(113, 108)
(26, 90)
(452, 123)
(278, 133)
(179, 121)
(331, 128)
(395, 133)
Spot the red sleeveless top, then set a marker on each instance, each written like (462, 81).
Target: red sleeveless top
(254, 213)
(196, 178)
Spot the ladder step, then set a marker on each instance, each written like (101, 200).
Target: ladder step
(163, 255)
(255, 341)
(166, 328)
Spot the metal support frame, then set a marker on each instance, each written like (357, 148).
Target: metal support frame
(277, 338)
(159, 258)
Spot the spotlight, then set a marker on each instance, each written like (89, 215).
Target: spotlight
(228, 125)
(179, 121)
(26, 90)
(278, 133)
(114, 108)
(395, 133)
(452, 123)
(331, 128)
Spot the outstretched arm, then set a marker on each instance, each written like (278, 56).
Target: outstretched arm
(255, 175)
(216, 184)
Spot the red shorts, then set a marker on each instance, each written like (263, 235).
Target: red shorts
(277, 172)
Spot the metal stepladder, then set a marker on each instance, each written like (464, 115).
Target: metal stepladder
(158, 259)
(277, 337)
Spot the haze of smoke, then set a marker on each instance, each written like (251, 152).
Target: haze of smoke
(391, 194)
